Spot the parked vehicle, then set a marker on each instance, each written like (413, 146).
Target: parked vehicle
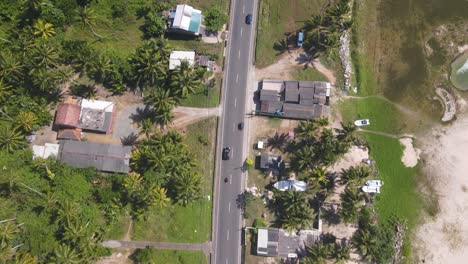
(240, 126)
(375, 183)
(371, 189)
(362, 122)
(226, 153)
(300, 38)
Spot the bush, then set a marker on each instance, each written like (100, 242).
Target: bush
(214, 19)
(154, 26)
(202, 139)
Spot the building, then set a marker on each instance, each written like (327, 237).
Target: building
(67, 115)
(104, 157)
(294, 99)
(177, 57)
(270, 161)
(46, 151)
(186, 20)
(273, 242)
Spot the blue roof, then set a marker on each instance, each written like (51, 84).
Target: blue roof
(195, 22)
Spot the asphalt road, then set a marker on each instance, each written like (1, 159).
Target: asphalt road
(228, 221)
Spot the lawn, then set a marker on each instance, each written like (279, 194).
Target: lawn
(276, 20)
(190, 224)
(398, 197)
(199, 99)
(383, 116)
(118, 229)
(167, 256)
(308, 74)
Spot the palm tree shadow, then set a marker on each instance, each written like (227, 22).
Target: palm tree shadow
(129, 140)
(281, 46)
(306, 58)
(330, 214)
(141, 114)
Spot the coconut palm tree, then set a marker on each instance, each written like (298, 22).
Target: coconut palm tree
(303, 158)
(5, 91)
(185, 81)
(147, 127)
(149, 66)
(100, 68)
(47, 80)
(43, 55)
(159, 197)
(64, 254)
(164, 118)
(43, 29)
(25, 258)
(349, 204)
(8, 230)
(25, 121)
(87, 18)
(355, 174)
(318, 177)
(341, 252)
(365, 242)
(161, 100)
(11, 139)
(347, 132)
(307, 129)
(68, 212)
(317, 254)
(187, 187)
(11, 67)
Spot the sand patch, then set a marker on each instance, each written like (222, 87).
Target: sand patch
(354, 157)
(410, 153)
(444, 238)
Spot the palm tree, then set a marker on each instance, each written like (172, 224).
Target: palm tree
(47, 80)
(185, 81)
(307, 129)
(43, 29)
(355, 174)
(164, 118)
(74, 232)
(10, 139)
(365, 242)
(43, 55)
(149, 64)
(187, 187)
(319, 177)
(68, 212)
(64, 254)
(87, 18)
(11, 67)
(161, 100)
(25, 258)
(317, 254)
(25, 121)
(347, 132)
(159, 197)
(303, 158)
(5, 91)
(341, 252)
(133, 183)
(278, 141)
(99, 68)
(349, 208)
(8, 230)
(6, 253)
(147, 127)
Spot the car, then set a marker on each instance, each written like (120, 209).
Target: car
(300, 38)
(375, 183)
(371, 189)
(362, 122)
(248, 19)
(227, 153)
(240, 126)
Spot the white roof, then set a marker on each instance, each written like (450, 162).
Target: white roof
(183, 15)
(98, 105)
(262, 240)
(260, 144)
(178, 56)
(45, 151)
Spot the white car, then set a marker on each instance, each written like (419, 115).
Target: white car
(375, 183)
(362, 122)
(371, 189)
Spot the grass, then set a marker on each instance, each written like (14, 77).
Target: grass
(278, 18)
(190, 224)
(308, 74)
(398, 197)
(199, 99)
(118, 229)
(167, 256)
(384, 116)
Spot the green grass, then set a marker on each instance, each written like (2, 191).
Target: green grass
(277, 18)
(308, 74)
(398, 197)
(118, 229)
(190, 224)
(166, 256)
(199, 99)
(384, 116)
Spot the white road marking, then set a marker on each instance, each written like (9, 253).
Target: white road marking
(229, 207)
(241, 31)
(237, 78)
(234, 127)
(243, 9)
(228, 234)
(235, 102)
(230, 179)
(239, 54)
(227, 261)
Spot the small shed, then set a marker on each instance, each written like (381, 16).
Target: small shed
(267, 242)
(177, 57)
(270, 161)
(67, 115)
(69, 134)
(46, 151)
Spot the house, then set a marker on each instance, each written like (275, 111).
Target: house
(294, 99)
(104, 157)
(273, 242)
(67, 115)
(270, 162)
(186, 20)
(176, 58)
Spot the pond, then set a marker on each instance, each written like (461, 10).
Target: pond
(459, 74)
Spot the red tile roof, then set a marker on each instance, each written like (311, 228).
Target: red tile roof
(70, 134)
(67, 115)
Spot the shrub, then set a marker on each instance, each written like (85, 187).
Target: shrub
(203, 140)
(215, 19)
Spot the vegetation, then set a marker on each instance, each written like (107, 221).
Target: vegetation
(215, 19)
(148, 255)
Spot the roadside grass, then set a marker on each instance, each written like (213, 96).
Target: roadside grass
(168, 256)
(383, 116)
(276, 20)
(398, 197)
(118, 229)
(190, 224)
(199, 99)
(274, 122)
(308, 74)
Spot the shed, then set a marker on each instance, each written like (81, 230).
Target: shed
(67, 115)
(96, 116)
(297, 111)
(273, 85)
(321, 110)
(270, 161)
(69, 134)
(177, 57)
(291, 93)
(46, 151)
(104, 157)
(267, 242)
(269, 95)
(271, 107)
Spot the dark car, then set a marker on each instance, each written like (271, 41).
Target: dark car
(240, 126)
(226, 153)
(248, 19)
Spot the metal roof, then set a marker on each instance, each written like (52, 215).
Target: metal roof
(67, 115)
(104, 157)
(269, 95)
(298, 111)
(291, 93)
(269, 161)
(267, 242)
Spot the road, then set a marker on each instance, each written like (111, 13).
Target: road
(228, 221)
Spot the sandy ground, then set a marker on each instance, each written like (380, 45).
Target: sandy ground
(445, 238)
(410, 153)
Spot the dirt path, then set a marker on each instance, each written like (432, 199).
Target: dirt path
(205, 247)
(187, 115)
(128, 235)
(329, 74)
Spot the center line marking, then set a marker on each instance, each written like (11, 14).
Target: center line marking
(229, 207)
(230, 179)
(228, 234)
(237, 78)
(241, 31)
(235, 102)
(239, 54)
(243, 9)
